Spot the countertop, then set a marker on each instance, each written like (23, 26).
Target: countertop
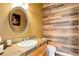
(15, 50)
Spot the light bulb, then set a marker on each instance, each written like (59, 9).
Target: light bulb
(24, 5)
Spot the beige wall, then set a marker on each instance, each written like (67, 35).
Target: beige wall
(36, 22)
(35, 18)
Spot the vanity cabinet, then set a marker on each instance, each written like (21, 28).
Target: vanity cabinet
(38, 50)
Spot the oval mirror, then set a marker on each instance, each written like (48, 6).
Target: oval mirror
(19, 20)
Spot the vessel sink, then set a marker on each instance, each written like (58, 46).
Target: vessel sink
(27, 43)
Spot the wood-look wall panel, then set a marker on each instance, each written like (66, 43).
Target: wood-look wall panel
(59, 45)
(74, 30)
(46, 13)
(66, 7)
(66, 12)
(66, 48)
(61, 25)
(61, 20)
(66, 41)
(78, 30)
(47, 5)
(60, 34)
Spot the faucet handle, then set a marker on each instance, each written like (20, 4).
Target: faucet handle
(27, 38)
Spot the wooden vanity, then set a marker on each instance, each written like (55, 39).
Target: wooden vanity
(38, 50)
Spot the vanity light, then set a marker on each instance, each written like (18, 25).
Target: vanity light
(24, 5)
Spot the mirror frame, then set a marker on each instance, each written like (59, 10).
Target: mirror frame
(26, 14)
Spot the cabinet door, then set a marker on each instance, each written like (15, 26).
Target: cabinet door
(38, 51)
(45, 49)
(45, 53)
(42, 54)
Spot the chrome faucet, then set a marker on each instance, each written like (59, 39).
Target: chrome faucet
(25, 39)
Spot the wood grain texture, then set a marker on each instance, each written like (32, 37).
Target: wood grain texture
(61, 25)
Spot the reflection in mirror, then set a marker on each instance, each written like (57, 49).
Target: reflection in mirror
(19, 20)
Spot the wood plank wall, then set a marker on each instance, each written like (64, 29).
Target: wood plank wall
(61, 26)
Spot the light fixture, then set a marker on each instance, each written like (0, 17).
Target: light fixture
(24, 5)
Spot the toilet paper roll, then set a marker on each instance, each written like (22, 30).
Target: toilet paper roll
(51, 48)
(1, 48)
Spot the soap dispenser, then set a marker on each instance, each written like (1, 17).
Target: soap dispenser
(9, 42)
(1, 45)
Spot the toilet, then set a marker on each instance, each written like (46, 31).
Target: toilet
(51, 50)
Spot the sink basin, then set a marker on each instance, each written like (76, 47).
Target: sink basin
(27, 43)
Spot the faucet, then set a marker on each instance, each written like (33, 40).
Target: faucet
(25, 39)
